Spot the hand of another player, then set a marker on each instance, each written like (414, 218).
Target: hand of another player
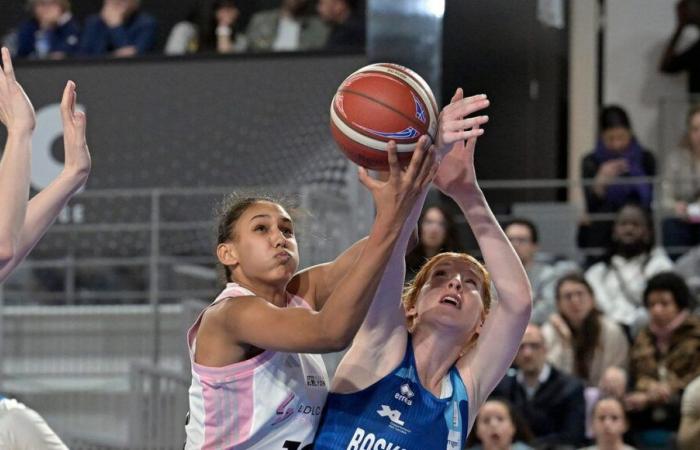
(77, 156)
(395, 197)
(16, 111)
(453, 124)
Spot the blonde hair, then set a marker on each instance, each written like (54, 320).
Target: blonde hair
(412, 290)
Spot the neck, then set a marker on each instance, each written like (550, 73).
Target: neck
(494, 446)
(427, 344)
(277, 295)
(532, 379)
(612, 443)
(431, 251)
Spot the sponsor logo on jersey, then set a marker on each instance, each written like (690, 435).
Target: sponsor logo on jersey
(315, 381)
(283, 412)
(362, 440)
(405, 394)
(395, 422)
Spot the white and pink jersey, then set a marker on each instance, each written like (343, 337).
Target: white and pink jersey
(272, 401)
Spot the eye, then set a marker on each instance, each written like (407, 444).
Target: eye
(470, 282)
(288, 232)
(439, 273)
(260, 227)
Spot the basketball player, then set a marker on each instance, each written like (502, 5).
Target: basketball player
(22, 223)
(415, 377)
(255, 383)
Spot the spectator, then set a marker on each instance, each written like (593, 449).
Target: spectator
(687, 13)
(581, 341)
(681, 187)
(52, 32)
(211, 30)
(550, 400)
(347, 24)
(664, 359)
(524, 237)
(286, 28)
(689, 431)
(436, 234)
(618, 154)
(609, 425)
(121, 29)
(619, 279)
(499, 427)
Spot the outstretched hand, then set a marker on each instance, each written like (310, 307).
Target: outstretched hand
(77, 156)
(16, 111)
(395, 197)
(453, 124)
(456, 171)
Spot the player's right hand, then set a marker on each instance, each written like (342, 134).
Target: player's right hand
(16, 111)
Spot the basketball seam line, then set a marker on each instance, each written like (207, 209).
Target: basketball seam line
(431, 97)
(400, 113)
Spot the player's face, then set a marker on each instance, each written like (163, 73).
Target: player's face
(617, 139)
(495, 428)
(264, 243)
(451, 297)
(609, 420)
(574, 302)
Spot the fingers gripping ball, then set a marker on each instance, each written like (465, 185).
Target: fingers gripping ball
(380, 103)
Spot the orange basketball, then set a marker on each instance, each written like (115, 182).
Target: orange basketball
(377, 104)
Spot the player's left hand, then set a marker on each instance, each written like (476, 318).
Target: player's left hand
(453, 124)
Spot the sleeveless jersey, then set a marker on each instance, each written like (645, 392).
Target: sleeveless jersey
(396, 413)
(273, 401)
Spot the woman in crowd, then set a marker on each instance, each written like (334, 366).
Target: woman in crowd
(499, 427)
(580, 340)
(436, 234)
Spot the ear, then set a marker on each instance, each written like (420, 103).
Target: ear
(227, 254)
(411, 315)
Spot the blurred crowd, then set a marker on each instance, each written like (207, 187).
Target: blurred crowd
(122, 28)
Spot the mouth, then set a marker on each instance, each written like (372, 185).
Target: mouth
(452, 300)
(283, 256)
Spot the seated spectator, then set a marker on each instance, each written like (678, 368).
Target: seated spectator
(689, 431)
(347, 24)
(580, 340)
(551, 401)
(618, 154)
(681, 188)
(121, 29)
(609, 424)
(213, 30)
(664, 359)
(499, 427)
(286, 28)
(436, 234)
(524, 237)
(619, 279)
(51, 33)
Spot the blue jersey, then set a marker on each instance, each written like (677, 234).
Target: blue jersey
(396, 413)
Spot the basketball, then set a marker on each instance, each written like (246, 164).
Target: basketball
(379, 103)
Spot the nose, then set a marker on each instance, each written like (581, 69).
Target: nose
(455, 283)
(280, 240)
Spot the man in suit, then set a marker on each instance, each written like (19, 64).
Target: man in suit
(551, 401)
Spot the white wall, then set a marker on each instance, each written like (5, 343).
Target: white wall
(636, 33)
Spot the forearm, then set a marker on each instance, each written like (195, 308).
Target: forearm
(348, 303)
(506, 270)
(41, 213)
(14, 191)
